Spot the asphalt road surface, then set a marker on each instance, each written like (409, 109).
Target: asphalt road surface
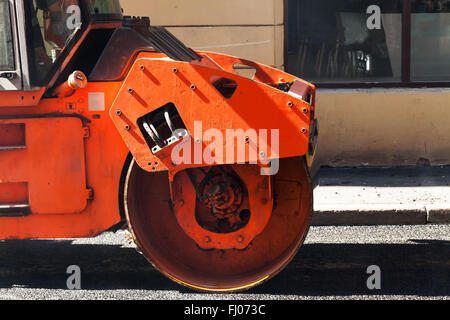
(414, 262)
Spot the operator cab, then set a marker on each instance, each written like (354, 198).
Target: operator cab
(39, 37)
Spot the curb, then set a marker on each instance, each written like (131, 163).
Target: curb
(438, 215)
(373, 217)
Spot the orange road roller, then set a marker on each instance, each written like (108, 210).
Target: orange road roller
(106, 119)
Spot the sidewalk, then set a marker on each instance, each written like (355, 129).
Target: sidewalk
(382, 196)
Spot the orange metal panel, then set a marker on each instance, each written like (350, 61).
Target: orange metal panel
(13, 193)
(105, 155)
(52, 163)
(21, 98)
(153, 83)
(12, 136)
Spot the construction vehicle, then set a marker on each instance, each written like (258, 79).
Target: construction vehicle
(106, 119)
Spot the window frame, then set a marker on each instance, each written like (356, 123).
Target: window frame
(59, 62)
(12, 49)
(15, 80)
(405, 63)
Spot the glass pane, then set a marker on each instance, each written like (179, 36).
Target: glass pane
(430, 40)
(345, 40)
(51, 25)
(105, 10)
(6, 43)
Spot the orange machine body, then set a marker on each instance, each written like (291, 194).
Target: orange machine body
(63, 158)
(69, 162)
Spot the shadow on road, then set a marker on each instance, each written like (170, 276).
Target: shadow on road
(418, 268)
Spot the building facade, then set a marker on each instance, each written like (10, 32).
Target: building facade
(382, 67)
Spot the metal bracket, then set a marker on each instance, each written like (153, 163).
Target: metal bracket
(87, 132)
(160, 130)
(176, 137)
(90, 194)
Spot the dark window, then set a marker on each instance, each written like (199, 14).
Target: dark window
(396, 42)
(105, 10)
(430, 41)
(6, 42)
(51, 27)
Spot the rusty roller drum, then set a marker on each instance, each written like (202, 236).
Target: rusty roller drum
(217, 257)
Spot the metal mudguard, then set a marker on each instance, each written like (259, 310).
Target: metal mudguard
(209, 96)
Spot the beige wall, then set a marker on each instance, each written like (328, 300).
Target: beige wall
(207, 12)
(251, 29)
(383, 127)
(357, 127)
